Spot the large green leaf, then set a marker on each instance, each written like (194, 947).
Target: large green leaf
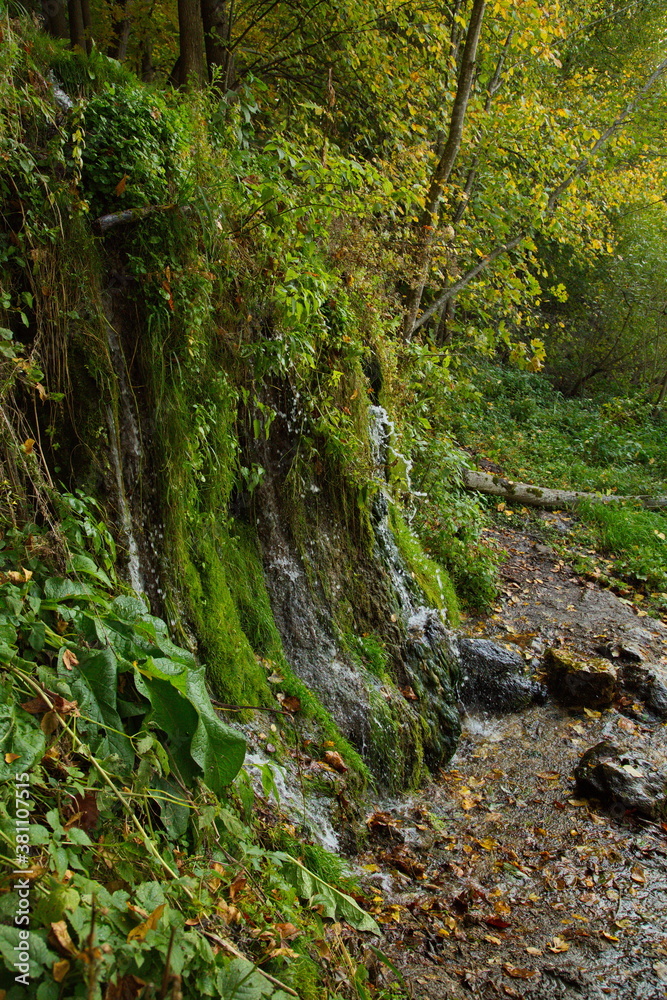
(93, 683)
(20, 734)
(240, 980)
(198, 740)
(336, 904)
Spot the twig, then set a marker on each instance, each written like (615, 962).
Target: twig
(233, 950)
(167, 976)
(82, 748)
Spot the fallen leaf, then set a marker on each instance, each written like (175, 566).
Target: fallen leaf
(559, 944)
(334, 760)
(237, 886)
(518, 973)
(608, 937)
(287, 932)
(49, 723)
(535, 952)
(139, 932)
(637, 875)
(11, 757)
(121, 185)
(230, 914)
(497, 922)
(28, 446)
(60, 936)
(69, 659)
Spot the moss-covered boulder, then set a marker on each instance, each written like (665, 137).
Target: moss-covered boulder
(580, 681)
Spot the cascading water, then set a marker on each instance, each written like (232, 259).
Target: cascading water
(125, 452)
(430, 653)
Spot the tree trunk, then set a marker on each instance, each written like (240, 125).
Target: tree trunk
(55, 19)
(87, 25)
(541, 496)
(77, 31)
(191, 35)
(429, 217)
(216, 18)
(121, 32)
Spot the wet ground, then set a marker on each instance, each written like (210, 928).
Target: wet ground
(497, 880)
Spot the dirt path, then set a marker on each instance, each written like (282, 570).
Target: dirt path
(497, 880)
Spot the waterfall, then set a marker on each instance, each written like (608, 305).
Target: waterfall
(125, 453)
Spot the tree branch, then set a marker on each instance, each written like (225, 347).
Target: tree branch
(466, 279)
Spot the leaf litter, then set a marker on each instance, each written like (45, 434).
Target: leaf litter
(498, 879)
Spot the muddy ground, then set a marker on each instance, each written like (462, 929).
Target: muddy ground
(497, 880)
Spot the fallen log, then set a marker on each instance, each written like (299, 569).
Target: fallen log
(130, 215)
(541, 496)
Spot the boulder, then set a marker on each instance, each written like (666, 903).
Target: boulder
(619, 775)
(494, 677)
(647, 684)
(579, 681)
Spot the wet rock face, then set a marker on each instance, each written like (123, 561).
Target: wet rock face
(648, 684)
(619, 776)
(493, 677)
(578, 681)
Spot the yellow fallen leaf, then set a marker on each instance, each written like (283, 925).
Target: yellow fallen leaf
(69, 659)
(28, 446)
(60, 970)
(535, 952)
(558, 945)
(11, 757)
(141, 930)
(60, 933)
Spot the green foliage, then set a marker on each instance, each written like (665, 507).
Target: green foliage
(518, 420)
(432, 578)
(130, 152)
(128, 736)
(635, 537)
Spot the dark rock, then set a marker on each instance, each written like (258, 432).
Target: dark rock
(494, 678)
(647, 684)
(579, 681)
(621, 651)
(616, 775)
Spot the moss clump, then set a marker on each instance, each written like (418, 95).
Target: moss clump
(396, 749)
(432, 578)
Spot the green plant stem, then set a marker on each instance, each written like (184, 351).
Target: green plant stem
(86, 752)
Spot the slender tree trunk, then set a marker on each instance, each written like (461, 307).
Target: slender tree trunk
(147, 67)
(77, 31)
(216, 18)
(121, 31)
(191, 35)
(55, 19)
(429, 217)
(87, 25)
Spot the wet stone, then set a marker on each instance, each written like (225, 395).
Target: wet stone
(579, 681)
(493, 677)
(623, 777)
(647, 684)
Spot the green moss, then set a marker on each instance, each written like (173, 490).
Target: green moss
(432, 578)
(368, 651)
(396, 749)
